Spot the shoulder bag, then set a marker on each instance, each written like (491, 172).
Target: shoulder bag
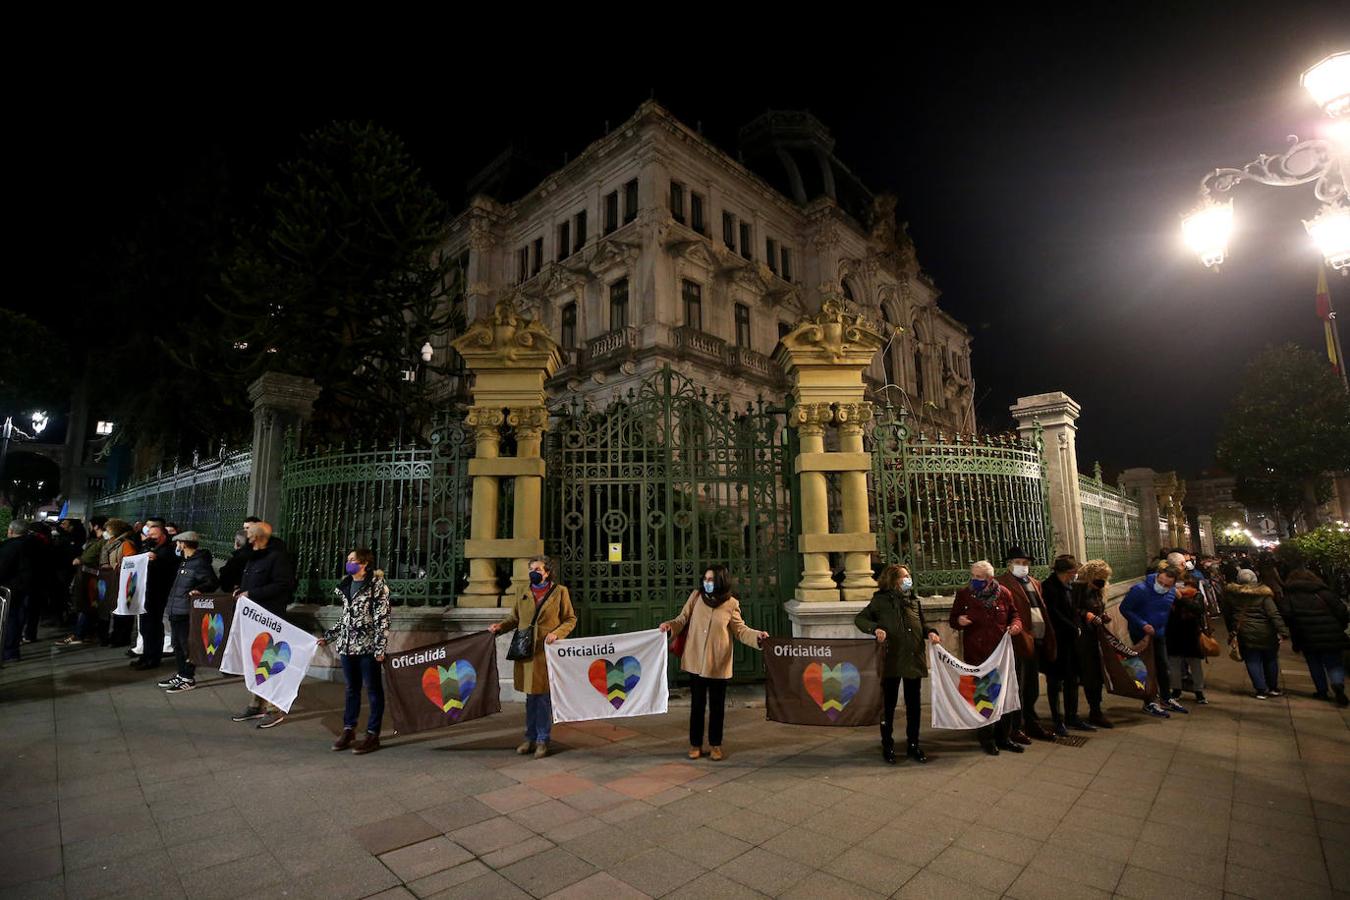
(1234, 651)
(522, 642)
(677, 645)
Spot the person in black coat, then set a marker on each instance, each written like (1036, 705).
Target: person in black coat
(1062, 676)
(195, 577)
(1185, 656)
(160, 574)
(18, 571)
(269, 581)
(1317, 620)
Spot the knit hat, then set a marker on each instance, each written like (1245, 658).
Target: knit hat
(1246, 576)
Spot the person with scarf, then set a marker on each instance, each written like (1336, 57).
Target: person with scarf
(360, 638)
(712, 615)
(895, 618)
(983, 612)
(549, 607)
(1089, 607)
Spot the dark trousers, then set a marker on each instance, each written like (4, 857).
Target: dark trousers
(1066, 685)
(996, 733)
(709, 694)
(1029, 686)
(152, 633)
(32, 614)
(890, 689)
(14, 613)
(120, 634)
(178, 627)
(360, 669)
(1090, 666)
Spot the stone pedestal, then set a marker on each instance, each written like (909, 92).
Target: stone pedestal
(1206, 534)
(1057, 414)
(280, 403)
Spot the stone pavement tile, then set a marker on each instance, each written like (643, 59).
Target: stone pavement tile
(867, 806)
(457, 813)
(1122, 826)
(806, 846)
(1072, 778)
(873, 871)
(47, 813)
(304, 853)
(1265, 883)
(500, 859)
(1136, 807)
(673, 772)
(766, 872)
(53, 888)
(850, 827)
(1302, 866)
(575, 829)
(191, 828)
(999, 844)
(1331, 811)
(628, 809)
(607, 848)
(1291, 842)
(1077, 868)
(394, 893)
(349, 880)
(547, 872)
(713, 885)
(906, 844)
(561, 784)
(486, 887)
(1177, 861)
(1338, 864)
(30, 865)
(638, 787)
(1333, 831)
(929, 884)
(1146, 884)
(823, 886)
(27, 836)
(112, 844)
(418, 860)
(706, 846)
(222, 882)
(775, 807)
(748, 826)
(75, 788)
(669, 795)
(390, 834)
(508, 800)
(211, 851)
(1038, 884)
(698, 808)
(95, 824)
(103, 803)
(127, 873)
(596, 800)
(975, 868)
(601, 884)
(449, 878)
(493, 834)
(547, 816)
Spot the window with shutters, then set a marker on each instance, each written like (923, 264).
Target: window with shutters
(693, 304)
(630, 201)
(618, 304)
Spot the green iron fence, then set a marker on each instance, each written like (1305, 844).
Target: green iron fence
(1111, 525)
(642, 495)
(941, 502)
(209, 498)
(410, 505)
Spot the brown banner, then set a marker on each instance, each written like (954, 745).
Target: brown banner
(101, 585)
(823, 681)
(442, 684)
(1127, 671)
(209, 628)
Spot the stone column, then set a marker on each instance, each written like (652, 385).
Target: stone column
(530, 423)
(858, 581)
(1057, 414)
(1140, 483)
(280, 403)
(486, 424)
(1206, 534)
(810, 421)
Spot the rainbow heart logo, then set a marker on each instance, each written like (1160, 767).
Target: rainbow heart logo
(269, 657)
(132, 583)
(1138, 672)
(213, 629)
(982, 693)
(831, 687)
(448, 687)
(102, 589)
(615, 680)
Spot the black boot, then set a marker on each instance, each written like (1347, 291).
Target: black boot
(1341, 699)
(914, 753)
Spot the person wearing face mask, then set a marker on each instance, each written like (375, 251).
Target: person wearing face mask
(360, 638)
(983, 612)
(1146, 608)
(895, 617)
(1062, 675)
(161, 571)
(1089, 607)
(547, 607)
(1035, 646)
(712, 616)
(268, 580)
(195, 577)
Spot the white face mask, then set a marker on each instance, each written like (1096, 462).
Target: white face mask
(1021, 571)
(1189, 565)
(145, 531)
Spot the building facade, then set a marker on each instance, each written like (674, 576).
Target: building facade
(654, 247)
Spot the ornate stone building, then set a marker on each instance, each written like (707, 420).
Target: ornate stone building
(655, 247)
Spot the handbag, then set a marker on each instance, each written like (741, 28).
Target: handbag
(1234, 651)
(522, 642)
(677, 645)
(1208, 646)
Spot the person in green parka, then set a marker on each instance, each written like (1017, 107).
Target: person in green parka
(895, 618)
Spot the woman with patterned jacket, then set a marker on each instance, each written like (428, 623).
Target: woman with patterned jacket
(359, 638)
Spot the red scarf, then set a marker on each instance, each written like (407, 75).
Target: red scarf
(540, 592)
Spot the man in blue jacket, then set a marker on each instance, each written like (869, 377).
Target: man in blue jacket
(1146, 608)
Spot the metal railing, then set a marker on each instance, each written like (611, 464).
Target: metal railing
(210, 498)
(1111, 525)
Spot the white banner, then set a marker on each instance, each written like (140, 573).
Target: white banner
(966, 696)
(131, 584)
(608, 677)
(272, 654)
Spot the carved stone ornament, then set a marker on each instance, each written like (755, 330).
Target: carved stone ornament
(811, 418)
(485, 421)
(853, 415)
(611, 254)
(506, 334)
(835, 332)
(529, 421)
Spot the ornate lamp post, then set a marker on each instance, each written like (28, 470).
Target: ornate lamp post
(1324, 162)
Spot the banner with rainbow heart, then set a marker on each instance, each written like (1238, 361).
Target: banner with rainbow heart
(1127, 671)
(608, 677)
(131, 583)
(209, 622)
(443, 684)
(271, 653)
(966, 696)
(822, 681)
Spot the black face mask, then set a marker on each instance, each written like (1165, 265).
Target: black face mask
(1099, 583)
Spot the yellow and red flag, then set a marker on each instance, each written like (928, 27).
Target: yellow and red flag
(1328, 317)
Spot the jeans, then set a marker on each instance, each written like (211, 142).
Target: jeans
(178, 627)
(1182, 669)
(1263, 667)
(890, 688)
(710, 694)
(538, 717)
(1325, 666)
(1158, 647)
(357, 669)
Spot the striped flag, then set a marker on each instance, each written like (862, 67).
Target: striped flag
(1328, 317)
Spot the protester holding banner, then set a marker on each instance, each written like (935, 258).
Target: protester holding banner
(359, 638)
(983, 612)
(712, 615)
(120, 542)
(1063, 673)
(1089, 607)
(160, 575)
(895, 617)
(547, 607)
(1035, 646)
(1146, 608)
(268, 580)
(195, 577)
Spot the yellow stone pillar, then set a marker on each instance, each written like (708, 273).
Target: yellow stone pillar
(511, 358)
(858, 581)
(810, 421)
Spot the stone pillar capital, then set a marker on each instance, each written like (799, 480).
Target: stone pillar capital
(284, 393)
(811, 418)
(529, 422)
(1052, 410)
(853, 416)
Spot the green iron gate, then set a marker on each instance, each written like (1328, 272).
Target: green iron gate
(644, 494)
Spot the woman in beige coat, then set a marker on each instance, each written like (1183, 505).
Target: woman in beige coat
(556, 620)
(713, 617)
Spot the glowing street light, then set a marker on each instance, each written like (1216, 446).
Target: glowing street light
(104, 427)
(1207, 228)
(1329, 84)
(1330, 231)
(40, 421)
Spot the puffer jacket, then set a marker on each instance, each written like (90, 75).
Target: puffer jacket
(1316, 616)
(1249, 611)
(195, 573)
(901, 617)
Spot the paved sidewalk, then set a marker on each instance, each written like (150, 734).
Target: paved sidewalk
(111, 788)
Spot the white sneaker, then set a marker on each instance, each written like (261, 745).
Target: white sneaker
(184, 684)
(1174, 705)
(170, 682)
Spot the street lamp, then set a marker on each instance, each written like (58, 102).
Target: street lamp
(1326, 162)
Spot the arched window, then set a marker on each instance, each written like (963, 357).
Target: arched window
(888, 351)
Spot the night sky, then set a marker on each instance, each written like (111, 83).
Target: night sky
(1041, 166)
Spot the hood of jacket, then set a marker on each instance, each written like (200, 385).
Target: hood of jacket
(1305, 580)
(1250, 590)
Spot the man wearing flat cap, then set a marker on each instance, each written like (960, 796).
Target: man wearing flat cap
(1034, 647)
(195, 577)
